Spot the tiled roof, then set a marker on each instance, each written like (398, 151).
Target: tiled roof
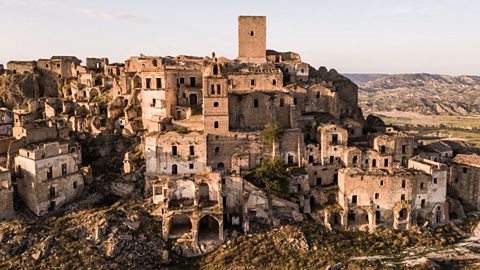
(472, 160)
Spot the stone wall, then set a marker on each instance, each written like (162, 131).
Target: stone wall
(171, 153)
(6, 195)
(20, 67)
(376, 190)
(464, 184)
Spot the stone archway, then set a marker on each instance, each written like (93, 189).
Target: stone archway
(438, 214)
(335, 219)
(208, 229)
(180, 225)
(358, 217)
(402, 214)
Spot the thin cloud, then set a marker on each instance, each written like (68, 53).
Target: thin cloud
(109, 16)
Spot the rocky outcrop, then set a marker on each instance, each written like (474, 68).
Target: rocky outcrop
(16, 89)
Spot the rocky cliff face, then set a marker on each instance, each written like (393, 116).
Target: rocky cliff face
(423, 93)
(15, 89)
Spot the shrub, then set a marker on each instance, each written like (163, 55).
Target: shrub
(272, 176)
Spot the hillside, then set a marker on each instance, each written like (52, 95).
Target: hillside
(360, 78)
(423, 93)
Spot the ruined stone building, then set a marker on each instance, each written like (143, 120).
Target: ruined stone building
(205, 116)
(6, 194)
(464, 180)
(48, 175)
(431, 201)
(6, 122)
(202, 123)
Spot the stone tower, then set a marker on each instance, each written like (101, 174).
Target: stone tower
(215, 101)
(252, 38)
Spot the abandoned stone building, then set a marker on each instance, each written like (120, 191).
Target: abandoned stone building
(61, 66)
(6, 122)
(21, 67)
(372, 181)
(374, 198)
(202, 123)
(431, 201)
(437, 151)
(48, 175)
(465, 180)
(6, 194)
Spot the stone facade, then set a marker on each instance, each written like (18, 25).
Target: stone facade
(465, 180)
(48, 175)
(6, 122)
(252, 38)
(6, 195)
(175, 154)
(21, 67)
(431, 200)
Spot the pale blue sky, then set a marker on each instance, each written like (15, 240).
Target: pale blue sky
(362, 36)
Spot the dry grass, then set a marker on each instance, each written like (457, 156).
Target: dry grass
(412, 118)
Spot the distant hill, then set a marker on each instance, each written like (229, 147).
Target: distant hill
(359, 78)
(422, 93)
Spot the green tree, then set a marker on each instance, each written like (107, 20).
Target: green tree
(272, 176)
(272, 133)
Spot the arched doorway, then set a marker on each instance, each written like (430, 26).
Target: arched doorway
(193, 99)
(208, 229)
(438, 214)
(335, 219)
(174, 169)
(402, 215)
(180, 225)
(220, 166)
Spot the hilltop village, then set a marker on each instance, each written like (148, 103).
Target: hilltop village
(225, 146)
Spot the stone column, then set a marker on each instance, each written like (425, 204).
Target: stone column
(372, 221)
(409, 218)
(165, 228)
(395, 219)
(196, 196)
(344, 219)
(220, 230)
(195, 224)
(326, 220)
